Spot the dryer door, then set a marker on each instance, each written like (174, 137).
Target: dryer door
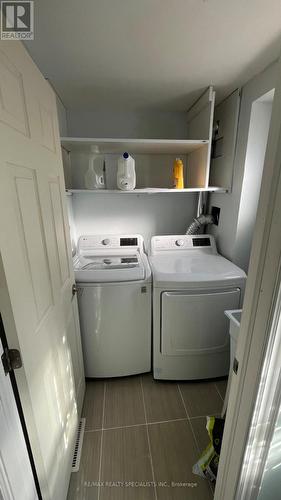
(194, 322)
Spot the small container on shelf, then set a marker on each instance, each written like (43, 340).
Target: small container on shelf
(178, 180)
(95, 175)
(126, 173)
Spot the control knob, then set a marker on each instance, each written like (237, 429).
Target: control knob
(106, 241)
(179, 243)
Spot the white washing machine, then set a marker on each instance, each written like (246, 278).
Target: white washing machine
(114, 297)
(192, 287)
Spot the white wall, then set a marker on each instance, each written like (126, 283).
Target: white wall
(147, 214)
(144, 125)
(257, 142)
(229, 203)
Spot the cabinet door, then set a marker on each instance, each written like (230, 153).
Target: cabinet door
(200, 126)
(194, 323)
(224, 141)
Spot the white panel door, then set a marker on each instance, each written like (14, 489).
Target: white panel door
(36, 257)
(194, 323)
(16, 478)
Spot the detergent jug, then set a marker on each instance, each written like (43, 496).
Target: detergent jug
(95, 175)
(126, 174)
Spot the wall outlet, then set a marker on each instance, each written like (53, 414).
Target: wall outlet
(215, 212)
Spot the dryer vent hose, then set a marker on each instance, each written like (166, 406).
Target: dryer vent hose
(197, 223)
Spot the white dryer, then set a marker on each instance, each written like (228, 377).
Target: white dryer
(192, 287)
(114, 297)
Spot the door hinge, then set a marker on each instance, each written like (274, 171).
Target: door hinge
(235, 366)
(11, 360)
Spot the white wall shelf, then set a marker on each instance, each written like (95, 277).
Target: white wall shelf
(154, 157)
(146, 191)
(134, 146)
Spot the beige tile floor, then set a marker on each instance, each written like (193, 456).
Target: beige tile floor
(142, 438)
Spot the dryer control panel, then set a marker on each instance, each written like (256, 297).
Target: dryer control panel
(173, 243)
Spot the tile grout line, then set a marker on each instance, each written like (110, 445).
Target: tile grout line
(93, 430)
(148, 440)
(140, 425)
(188, 418)
(192, 430)
(218, 392)
(182, 400)
(101, 439)
(203, 416)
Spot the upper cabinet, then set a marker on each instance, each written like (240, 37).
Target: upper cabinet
(224, 141)
(154, 157)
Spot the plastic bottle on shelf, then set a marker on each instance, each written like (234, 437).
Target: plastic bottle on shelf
(126, 174)
(178, 180)
(95, 175)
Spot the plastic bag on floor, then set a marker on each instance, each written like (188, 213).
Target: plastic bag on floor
(207, 465)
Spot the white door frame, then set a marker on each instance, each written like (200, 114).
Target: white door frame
(265, 416)
(258, 313)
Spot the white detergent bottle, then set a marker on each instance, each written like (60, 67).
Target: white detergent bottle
(95, 175)
(126, 174)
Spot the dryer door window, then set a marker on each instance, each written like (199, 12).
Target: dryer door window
(194, 322)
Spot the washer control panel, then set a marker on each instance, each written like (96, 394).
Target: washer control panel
(183, 242)
(87, 243)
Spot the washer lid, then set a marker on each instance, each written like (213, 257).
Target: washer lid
(108, 268)
(194, 268)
